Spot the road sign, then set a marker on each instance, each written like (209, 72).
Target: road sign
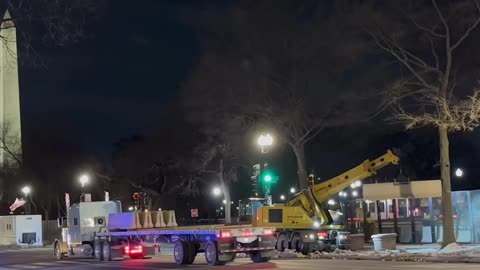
(194, 212)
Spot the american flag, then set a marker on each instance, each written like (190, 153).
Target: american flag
(18, 203)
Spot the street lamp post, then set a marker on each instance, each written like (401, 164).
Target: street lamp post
(84, 179)
(26, 191)
(265, 141)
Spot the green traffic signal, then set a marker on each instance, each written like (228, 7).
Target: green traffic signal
(267, 178)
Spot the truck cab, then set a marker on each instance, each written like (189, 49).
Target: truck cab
(83, 221)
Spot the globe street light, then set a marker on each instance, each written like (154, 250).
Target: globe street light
(292, 190)
(265, 141)
(216, 191)
(282, 197)
(459, 172)
(26, 190)
(84, 179)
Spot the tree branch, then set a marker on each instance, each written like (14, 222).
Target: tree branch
(430, 31)
(470, 29)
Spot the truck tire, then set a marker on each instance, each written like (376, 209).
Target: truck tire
(57, 251)
(282, 242)
(298, 245)
(181, 252)
(191, 252)
(256, 257)
(211, 254)
(97, 249)
(107, 251)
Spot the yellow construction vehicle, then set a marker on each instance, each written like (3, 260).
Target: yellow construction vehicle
(304, 223)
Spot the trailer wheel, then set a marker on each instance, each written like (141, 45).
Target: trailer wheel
(191, 252)
(256, 257)
(282, 242)
(97, 249)
(181, 252)
(107, 251)
(211, 254)
(57, 251)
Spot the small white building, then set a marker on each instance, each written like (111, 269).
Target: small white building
(21, 230)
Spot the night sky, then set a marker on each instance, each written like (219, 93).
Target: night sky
(117, 81)
(121, 80)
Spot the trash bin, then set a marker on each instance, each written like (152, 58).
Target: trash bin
(357, 241)
(384, 241)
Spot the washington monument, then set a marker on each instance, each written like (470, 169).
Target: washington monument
(10, 126)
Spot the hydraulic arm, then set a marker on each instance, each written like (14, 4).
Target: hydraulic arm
(312, 198)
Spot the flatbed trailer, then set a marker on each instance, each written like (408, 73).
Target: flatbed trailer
(219, 243)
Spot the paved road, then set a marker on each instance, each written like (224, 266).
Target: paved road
(42, 259)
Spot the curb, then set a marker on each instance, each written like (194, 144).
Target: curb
(407, 258)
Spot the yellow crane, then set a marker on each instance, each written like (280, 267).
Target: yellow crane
(304, 223)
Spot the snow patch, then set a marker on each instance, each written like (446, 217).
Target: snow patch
(452, 248)
(289, 253)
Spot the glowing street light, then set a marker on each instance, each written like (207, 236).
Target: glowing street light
(354, 193)
(282, 197)
(216, 191)
(459, 172)
(84, 179)
(292, 190)
(26, 190)
(265, 140)
(224, 201)
(358, 183)
(331, 202)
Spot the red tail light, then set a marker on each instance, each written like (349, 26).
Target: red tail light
(134, 249)
(247, 233)
(268, 232)
(322, 235)
(224, 234)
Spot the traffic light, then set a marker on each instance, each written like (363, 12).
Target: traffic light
(268, 177)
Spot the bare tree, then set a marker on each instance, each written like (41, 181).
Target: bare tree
(10, 147)
(428, 95)
(221, 155)
(51, 23)
(280, 70)
(10, 155)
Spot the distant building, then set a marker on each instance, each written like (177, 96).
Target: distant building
(10, 125)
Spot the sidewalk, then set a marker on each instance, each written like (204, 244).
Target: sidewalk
(426, 252)
(14, 247)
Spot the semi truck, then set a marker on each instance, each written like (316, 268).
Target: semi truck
(99, 229)
(304, 223)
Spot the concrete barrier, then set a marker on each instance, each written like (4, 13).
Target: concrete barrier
(158, 219)
(357, 241)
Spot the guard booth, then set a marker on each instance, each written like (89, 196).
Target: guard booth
(21, 230)
(405, 208)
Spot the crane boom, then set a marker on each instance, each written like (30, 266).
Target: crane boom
(311, 198)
